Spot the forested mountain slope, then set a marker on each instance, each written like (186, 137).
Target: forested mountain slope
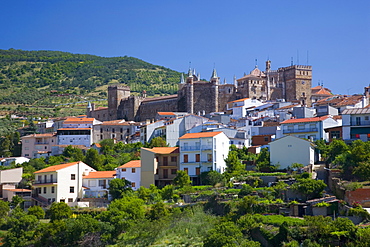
(42, 78)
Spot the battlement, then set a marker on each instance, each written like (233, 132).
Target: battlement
(119, 87)
(306, 67)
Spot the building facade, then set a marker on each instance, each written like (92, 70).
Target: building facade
(291, 83)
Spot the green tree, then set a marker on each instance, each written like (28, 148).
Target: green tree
(182, 179)
(4, 209)
(157, 142)
(117, 187)
(36, 211)
(75, 154)
(59, 210)
(263, 160)
(233, 164)
(211, 178)
(309, 187)
(94, 159)
(16, 201)
(22, 231)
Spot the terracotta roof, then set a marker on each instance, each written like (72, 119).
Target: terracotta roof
(115, 122)
(238, 100)
(18, 190)
(132, 163)
(270, 124)
(79, 120)
(323, 91)
(40, 135)
(340, 100)
(57, 167)
(101, 174)
(101, 108)
(166, 113)
(163, 150)
(305, 120)
(98, 145)
(199, 135)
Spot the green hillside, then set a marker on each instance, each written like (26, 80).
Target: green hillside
(46, 79)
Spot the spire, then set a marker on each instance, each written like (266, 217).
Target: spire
(256, 66)
(190, 73)
(89, 105)
(214, 73)
(198, 76)
(182, 81)
(235, 82)
(224, 80)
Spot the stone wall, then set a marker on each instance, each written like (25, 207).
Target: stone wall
(149, 109)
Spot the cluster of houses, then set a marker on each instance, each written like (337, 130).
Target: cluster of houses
(196, 143)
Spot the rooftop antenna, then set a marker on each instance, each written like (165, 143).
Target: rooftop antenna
(297, 57)
(256, 63)
(307, 57)
(291, 61)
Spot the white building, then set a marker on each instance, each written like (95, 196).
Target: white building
(130, 171)
(61, 183)
(77, 131)
(96, 184)
(290, 149)
(309, 128)
(356, 124)
(201, 152)
(238, 108)
(9, 160)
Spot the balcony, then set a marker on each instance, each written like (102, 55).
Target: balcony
(41, 143)
(360, 123)
(286, 131)
(46, 181)
(196, 148)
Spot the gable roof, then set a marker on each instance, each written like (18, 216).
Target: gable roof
(132, 163)
(101, 174)
(78, 120)
(57, 167)
(238, 100)
(200, 135)
(305, 120)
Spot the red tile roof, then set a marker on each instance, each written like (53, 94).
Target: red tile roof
(200, 135)
(78, 120)
(57, 167)
(40, 135)
(101, 174)
(132, 163)
(322, 91)
(163, 150)
(74, 129)
(166, 113)
(305, 120)
(18, 190)
(238, 100)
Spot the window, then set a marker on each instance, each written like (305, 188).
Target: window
(73, 176)
(186, 158)
(133, 184)
(266, 139)
(27, 141)
(72, 189)
(123, 169)
(173, 159)
(52, 189)
(39, 190)
(197, 171)
(197, 158)
(113, 130)
(70, 199)
(133, 170)
(334, 134)
(366, 118)
(101, 130)
(44, 190)
(62, 200)
(301, 127)
(165, 161)
(173, 171)
(26, 148)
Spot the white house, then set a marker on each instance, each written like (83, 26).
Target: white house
(356, 124)
(290, 149)
(77, 131)
(239, 107)
(9, 160)
(96, 184)
(130, 171)
(201, 152)
(309, 128)
(60, 183)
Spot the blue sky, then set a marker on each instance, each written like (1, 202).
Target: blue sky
(332, 36)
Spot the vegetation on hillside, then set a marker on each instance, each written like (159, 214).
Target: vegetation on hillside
(53, 78)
